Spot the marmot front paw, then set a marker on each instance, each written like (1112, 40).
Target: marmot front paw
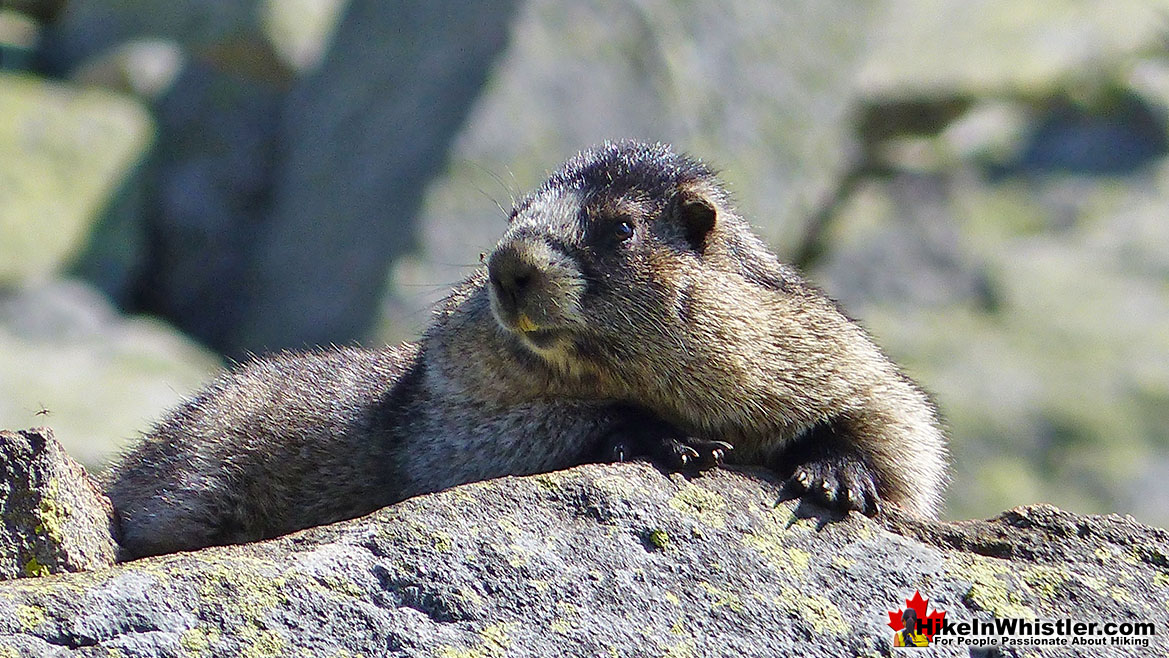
(838, 482)
(643, 435)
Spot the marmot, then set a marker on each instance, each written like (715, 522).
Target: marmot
(627, 309)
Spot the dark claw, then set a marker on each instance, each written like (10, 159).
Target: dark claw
(839, 483)
(643, 435)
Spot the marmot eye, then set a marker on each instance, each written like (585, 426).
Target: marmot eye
(623, 231)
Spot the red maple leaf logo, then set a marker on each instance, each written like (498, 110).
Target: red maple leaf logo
(931, 622)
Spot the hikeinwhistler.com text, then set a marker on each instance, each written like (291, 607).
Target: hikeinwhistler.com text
(1015, 632)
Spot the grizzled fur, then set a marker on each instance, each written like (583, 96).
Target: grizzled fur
(638, 282)
(626, 308)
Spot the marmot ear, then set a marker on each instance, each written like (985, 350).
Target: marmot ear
(696, 215)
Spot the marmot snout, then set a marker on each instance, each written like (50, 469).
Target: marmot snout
(535, 291)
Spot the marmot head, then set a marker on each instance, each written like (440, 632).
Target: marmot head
(600, 257)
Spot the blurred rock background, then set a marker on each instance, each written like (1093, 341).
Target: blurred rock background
(984, 184)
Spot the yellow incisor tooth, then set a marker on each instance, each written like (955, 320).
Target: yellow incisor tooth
(524, 323)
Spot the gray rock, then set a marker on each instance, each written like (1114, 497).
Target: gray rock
(599, 560)
(55, 519)
(64, 151)
(362, 138)
(926, 48)
(173, 250)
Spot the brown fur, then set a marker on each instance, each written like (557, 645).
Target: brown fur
(699, 326)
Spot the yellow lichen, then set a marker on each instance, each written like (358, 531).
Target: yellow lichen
(1104, 554)
(988, 591)
(197, 640)
(243, 587)
(684, 649)
(53, 514)
(548, 481)
(1121, 595)
(496, 639)
(441, 541)
(722, 597)
(614, 485)
(494, 643)
(29, 616)
(821, 613)
(792, 562)
(700, 503)
(261, 643)
(1046, 581)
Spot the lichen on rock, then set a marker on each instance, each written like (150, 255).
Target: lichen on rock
(54, 518)
(517, 567)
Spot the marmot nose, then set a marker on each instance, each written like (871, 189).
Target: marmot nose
(511, 276)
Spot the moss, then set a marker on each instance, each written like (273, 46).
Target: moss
(34, 569)
(30, 616)
(816, 610)
(659, 539)
(700, 503)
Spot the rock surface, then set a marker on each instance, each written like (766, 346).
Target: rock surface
(63, 151)
(598, 560)
(54, 518)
